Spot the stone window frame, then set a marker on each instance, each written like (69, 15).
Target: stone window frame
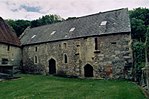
(64, 45)
(36, 49)
(65, 58)
(8, 48)
(35, 59)
(97, 44)
(77, 48)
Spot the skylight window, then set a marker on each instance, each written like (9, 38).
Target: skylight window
(103, 23)
(33, 36)
(53, 32)
(72, 29)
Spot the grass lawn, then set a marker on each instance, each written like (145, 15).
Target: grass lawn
(49, 87)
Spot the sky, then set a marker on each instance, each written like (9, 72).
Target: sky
(33, 9)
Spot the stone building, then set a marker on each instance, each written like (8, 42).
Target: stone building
(97, 45)
(10, 52)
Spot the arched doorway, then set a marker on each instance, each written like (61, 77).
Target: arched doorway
(88, 71)
(52, 66)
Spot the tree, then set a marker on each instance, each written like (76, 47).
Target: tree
(19, 25)
(147, 47)
(139, 59)
(47, 19)
(139, 22)
(140, 13)
(138, 29)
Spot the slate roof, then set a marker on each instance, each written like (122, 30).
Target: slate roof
(7, 34)
(116, 21)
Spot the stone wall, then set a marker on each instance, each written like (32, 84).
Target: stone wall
(111, 59)
(10, 53)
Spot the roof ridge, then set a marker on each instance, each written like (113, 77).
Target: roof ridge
(81, 17)
(117, 22)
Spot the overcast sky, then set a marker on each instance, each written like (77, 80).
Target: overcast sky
(33, 9)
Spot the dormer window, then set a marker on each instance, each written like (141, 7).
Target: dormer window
(72, 29)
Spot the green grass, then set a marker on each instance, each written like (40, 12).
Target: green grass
(49, 87)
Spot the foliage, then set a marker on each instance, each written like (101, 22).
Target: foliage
(49, 87)
(140, 13)
(47, 19)
(138, 29)
(139, 59)
(139, 22)
(19, 25)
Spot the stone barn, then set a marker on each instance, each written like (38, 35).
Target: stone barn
(97, 45)
(10, 52)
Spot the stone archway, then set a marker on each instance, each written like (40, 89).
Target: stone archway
(52, 66)
(88, 71)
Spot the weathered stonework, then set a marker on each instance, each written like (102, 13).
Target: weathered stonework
(113, 59)
(12, 53)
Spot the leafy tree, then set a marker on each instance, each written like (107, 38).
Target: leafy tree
(139, 59)
(140, 13)
(19, 25)
(47, 19)
(147, 47)
(139, 22)
(138, 29)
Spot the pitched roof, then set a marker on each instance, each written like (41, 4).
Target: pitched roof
(7, 34)
(116, 21)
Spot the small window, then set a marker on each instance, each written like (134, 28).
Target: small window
(4, 61)
(78, 45)
(96, 44)
(78, 50)
(65, 45)
(8, 48)
(113, 42)
(36, 49)
(65, 58)
(35, 59)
